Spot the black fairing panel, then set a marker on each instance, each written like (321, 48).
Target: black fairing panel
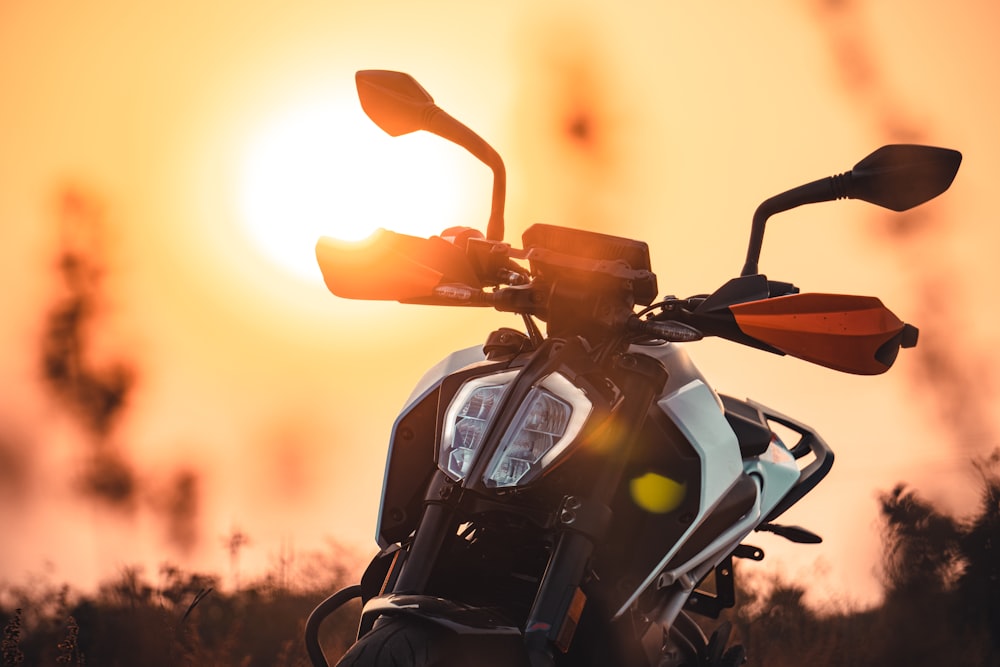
(747, 421)
(412, 457)
(408, 470)
(639, 537)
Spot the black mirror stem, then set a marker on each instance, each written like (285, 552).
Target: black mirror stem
(824, 189)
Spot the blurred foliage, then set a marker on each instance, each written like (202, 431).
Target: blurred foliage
(941, 577)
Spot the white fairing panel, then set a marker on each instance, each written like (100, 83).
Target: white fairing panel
(453, 362)
(697, 411)
(693, 408)
(779, 468)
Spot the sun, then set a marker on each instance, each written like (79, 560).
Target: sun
(322, 168)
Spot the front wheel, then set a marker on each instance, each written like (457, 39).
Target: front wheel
(408, 641)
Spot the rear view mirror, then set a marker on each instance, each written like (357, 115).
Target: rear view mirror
(400, 105)
(897, 177)
(853, 334)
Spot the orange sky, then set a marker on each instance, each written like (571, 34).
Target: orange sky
(278, 397)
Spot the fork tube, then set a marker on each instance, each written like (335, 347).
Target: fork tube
(555, 595)
(433, 529)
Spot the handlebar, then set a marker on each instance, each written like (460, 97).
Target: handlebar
(587, 284)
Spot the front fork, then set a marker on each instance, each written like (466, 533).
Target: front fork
(582, 522)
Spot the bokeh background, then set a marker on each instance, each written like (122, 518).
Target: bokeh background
(177, 386)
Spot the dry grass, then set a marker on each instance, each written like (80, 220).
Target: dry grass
(184, 620)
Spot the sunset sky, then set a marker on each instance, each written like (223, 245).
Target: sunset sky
(191, 153)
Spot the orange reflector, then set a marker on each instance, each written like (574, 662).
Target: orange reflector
(572, 620)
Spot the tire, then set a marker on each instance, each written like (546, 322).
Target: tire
(407, 641)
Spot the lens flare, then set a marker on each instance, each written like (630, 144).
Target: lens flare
(656, 493)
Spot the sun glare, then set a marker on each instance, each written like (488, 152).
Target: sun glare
(324, 169)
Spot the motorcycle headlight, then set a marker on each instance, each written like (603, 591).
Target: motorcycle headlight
(546, 423)
(468, 417)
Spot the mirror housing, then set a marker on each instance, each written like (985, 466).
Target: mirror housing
(901, 176)
(394, 101)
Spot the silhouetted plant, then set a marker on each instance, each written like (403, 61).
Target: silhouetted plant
(12, 654)
(922, 545)
(95, 393)
(69, 647)
(978, 586)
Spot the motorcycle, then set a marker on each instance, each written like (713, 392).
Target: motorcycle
(576, 496)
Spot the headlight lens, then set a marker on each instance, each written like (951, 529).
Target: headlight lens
(547, 421)
(467, 420)
(549, 418)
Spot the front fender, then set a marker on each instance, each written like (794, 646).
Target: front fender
(454, 616)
